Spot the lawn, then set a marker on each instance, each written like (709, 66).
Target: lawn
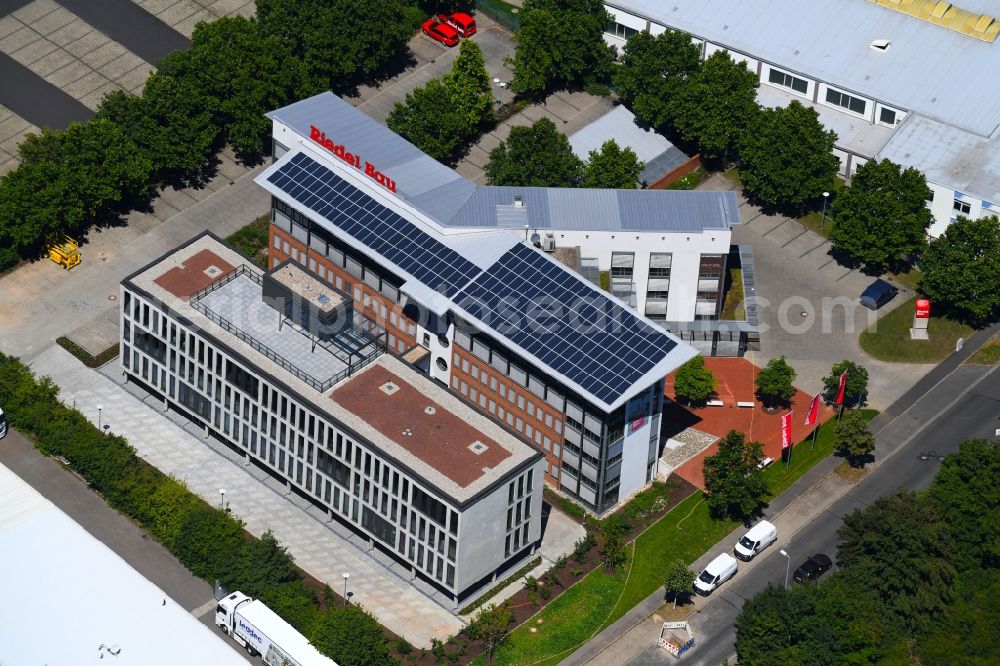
(889, 338)
(909, 278)
(251, 240)
(733, 307)
(598, 600)
(988, 354)
(690, 181)
(815, 222)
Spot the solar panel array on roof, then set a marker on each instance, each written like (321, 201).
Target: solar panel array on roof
(315, 186)
(555, 316)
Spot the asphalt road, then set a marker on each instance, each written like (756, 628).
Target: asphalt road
(913, 466)
(130, 25)
(35, 99)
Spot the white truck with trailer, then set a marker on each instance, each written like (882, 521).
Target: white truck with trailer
(263, 634)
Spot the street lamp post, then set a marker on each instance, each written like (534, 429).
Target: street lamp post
(826, 195)
(222, 498)
(99, 408)
(346, 576)
(788, 566)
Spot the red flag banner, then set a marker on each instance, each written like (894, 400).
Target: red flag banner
(840, 388)
(786, 431)
(813, 410)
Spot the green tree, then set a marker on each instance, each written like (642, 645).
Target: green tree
(854, 439)
(899, 547)
(653, 72)
(612, 544)
(260, 563)
(856, 388)
(166, 509)
(716, 105)
(966, 492)
(612, 167)
(172, 123)
(535, 156)
(779, 626)
(245, 73)
(350, 636)
(67, 180)
(787, 157)
(694, 382)
(340, 43)
(974, 618)
(961, 270)
(445, 114)
(430, 121)
(560, 43)
(470, 87)
(734, 483)
(774, 383)
(490, 627)
(678, 580)
(882, 218)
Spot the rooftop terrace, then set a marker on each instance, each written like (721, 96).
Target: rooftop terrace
(421, 425)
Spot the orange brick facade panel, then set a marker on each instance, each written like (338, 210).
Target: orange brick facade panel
(367, 301)
(521, 412)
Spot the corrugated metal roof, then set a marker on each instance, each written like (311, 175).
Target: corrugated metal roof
(618, 124)
(452, 201)
(947, 155)
(420, 179)
(661, 156)
(602, 210)
(928, 69)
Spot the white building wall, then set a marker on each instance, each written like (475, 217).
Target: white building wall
(686, 249)
(752, 63)
(476, 523)
(484, 528)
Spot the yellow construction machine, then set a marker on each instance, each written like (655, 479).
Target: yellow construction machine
(64, 251)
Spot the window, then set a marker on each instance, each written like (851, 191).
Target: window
(887, 116)
(962, 207)
(429, 506)
(622, 263)
(659, 264)
(779, 78)
(846, 101)
(619, 30)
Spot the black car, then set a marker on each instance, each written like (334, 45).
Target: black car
(813, 568)
(877, 294)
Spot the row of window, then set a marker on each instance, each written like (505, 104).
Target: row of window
(383, 491)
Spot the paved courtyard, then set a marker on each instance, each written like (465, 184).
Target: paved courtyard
(736, 384)
(13, 129)
(808, 305)
(184, 15)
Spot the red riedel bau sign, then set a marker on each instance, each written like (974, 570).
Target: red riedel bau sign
(353, 159)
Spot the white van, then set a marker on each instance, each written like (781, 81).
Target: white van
(760, 536)
(715, 574)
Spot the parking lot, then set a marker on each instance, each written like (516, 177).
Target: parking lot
(808, 304)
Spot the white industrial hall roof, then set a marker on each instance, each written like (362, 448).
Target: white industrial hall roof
(936, 72)
(66, 599)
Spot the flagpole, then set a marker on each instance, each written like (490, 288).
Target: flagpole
(815, 430)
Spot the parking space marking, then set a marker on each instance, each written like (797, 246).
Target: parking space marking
(62, 49)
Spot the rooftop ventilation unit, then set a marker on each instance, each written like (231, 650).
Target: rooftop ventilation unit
(549, 242)
(518, 201)
(880, 45)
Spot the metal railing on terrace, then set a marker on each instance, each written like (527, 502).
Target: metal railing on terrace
(320, 385)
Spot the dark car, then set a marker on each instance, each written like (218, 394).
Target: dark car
(440, 32)
(878, 294)
(813, 568)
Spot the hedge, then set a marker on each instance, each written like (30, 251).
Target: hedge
(210, 542)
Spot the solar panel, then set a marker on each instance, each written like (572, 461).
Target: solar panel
(316, 187)
(563, 321)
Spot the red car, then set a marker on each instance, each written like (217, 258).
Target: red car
(460, 21)
(440, 32)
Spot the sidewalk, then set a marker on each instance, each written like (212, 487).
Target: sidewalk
(316, 548)
(635, 632)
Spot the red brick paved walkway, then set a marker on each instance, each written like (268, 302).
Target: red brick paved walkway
(736, 377)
